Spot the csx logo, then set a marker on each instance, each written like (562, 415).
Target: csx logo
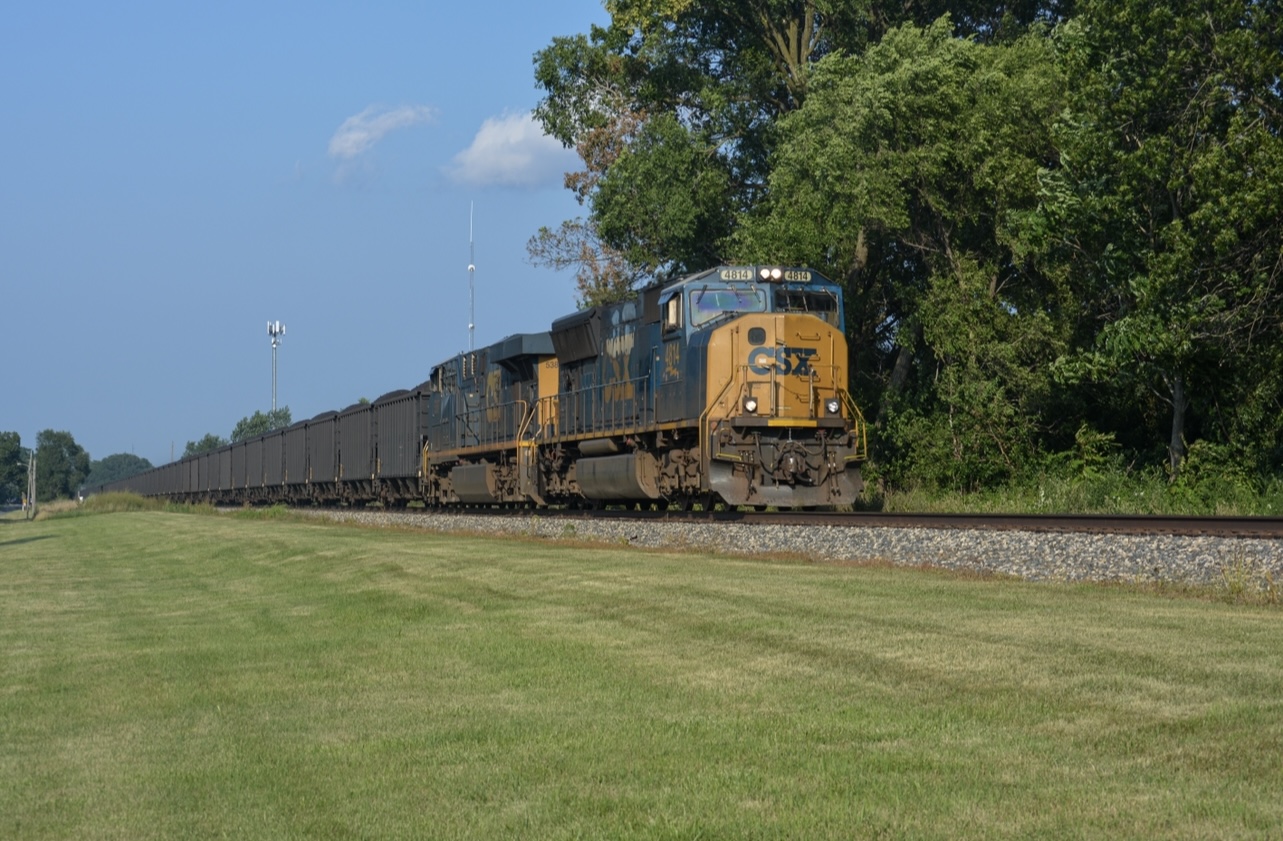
(785, 360)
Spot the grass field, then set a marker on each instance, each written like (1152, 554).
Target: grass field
(169, 676)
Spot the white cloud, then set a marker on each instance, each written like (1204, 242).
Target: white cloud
(359, 133)
(513, 151)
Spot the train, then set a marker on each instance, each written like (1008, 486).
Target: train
(728, 386)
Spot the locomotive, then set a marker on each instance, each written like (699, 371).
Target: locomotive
(729, 385)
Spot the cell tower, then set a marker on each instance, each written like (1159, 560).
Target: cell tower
(472, 270)
(275, 329)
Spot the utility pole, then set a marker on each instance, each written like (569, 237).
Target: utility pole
(275, 329)
(31, 486)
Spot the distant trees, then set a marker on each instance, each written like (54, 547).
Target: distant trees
(261, 423)
(207, 444)
(13, 466)
(61, 465)
(246, 428)
(114, 467)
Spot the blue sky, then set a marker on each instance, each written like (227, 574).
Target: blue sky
(177, 175)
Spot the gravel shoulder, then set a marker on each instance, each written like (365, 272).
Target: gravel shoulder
(1034, 556)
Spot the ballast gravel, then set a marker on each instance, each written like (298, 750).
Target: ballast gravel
(1034, 556)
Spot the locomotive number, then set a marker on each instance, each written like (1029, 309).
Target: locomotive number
(797, 276)
(786, 361)
(672, 362)
(736, 274)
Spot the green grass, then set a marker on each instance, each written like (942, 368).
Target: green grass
(166, 676)
(1105, 493)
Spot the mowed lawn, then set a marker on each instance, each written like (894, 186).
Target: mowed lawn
(174, 676)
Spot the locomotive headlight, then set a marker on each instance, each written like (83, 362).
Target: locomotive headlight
(832, 406)
(750, 404)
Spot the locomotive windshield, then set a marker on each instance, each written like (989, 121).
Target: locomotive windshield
(709, 303)
(821, 302)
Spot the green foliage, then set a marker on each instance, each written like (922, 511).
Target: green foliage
(61, 465)
(1166, 204)
(114, 503)
(671, 107)
(207, 444)
(113, 467)
(653, 226)
(13, 467)
(260, 423)
(1214, 477)
(1094, 454)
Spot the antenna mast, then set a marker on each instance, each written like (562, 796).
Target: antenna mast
(472, 269)
(275, 330)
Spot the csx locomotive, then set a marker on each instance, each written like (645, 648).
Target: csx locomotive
(728, 386)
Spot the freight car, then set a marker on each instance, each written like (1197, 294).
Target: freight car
(729, 386)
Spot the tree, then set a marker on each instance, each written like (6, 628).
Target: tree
(61, 465)
(261, 423)
(207, 444)
(114, 467)
(907, 174)
(1166, 205)
(13, 467)
(673, 106)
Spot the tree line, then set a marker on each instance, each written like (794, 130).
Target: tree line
(246, 428)
(64, 468)
(1058, 224)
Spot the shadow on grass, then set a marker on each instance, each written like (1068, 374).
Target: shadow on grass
(33, 538)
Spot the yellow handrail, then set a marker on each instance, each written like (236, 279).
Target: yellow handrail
(859, 425)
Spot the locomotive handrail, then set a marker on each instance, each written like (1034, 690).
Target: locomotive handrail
(597, 414)
(474, 423)
(528, 415)
(705, 454)
(859, 425)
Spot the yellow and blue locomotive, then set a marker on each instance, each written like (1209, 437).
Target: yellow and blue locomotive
(729, 385)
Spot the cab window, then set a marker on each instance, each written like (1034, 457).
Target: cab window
(818, 302)
(672, 313)
(711, 303)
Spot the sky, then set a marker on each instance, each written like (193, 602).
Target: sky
(173, 176)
